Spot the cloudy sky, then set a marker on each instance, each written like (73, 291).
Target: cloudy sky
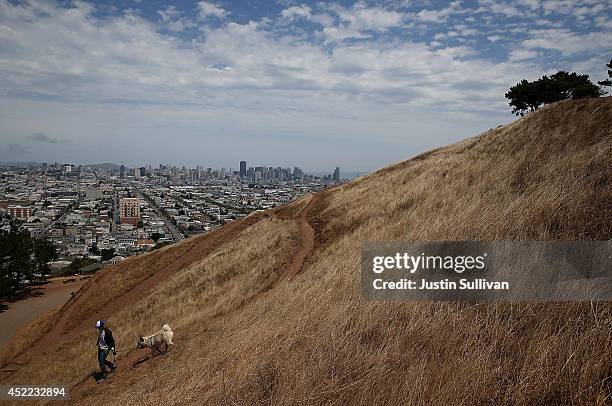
(312, 84)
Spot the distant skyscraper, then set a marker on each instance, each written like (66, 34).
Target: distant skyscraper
(122, 171)
(243, 169)
(337, 175)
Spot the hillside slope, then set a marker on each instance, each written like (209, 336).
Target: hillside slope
(273, 314)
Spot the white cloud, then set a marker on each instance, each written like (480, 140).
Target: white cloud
(361, 17)
(439, 16)
(604, 22)
(567, 42)
(302, 11)
(173, 20)
(169, 14)
(323, 19)
(522, 54)
(356, 22)
(532, 4)
(208, 9)
(505, 9)
(338, 34)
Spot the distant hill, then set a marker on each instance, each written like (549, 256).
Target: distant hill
(105, 166)
(18, 164)
(267, 310)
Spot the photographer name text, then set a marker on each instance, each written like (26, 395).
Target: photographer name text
(443, 284)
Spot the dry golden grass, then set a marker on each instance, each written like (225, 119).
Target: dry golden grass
(313, 339)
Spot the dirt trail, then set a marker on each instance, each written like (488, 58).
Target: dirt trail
(69, 327)
(307, 237)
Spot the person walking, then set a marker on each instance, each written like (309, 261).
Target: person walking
(105, 344)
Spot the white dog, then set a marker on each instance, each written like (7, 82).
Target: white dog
(163, 338)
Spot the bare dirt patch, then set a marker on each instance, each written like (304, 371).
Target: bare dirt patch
(21, 312)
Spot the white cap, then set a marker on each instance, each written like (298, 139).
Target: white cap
(98, 323)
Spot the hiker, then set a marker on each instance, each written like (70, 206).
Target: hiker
(105, 344)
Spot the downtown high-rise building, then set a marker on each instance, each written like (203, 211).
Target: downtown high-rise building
(243, 169)
(337, 174)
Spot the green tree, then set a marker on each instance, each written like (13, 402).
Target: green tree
(156, 236)
(573, 86)
(79, 263)
(528, 96)
(523, 97)
(17, 265)
(107, 253)
(44, 252)
(94, 250)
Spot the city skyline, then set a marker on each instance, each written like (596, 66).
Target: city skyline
(228, 169)
(355, 84)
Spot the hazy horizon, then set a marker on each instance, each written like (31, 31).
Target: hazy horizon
(310, 171)
(352, 84)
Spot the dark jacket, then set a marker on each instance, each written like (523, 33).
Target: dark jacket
(108, 338)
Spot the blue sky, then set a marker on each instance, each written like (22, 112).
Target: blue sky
(313, 84)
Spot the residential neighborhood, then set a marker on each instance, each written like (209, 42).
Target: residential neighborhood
(101, 214)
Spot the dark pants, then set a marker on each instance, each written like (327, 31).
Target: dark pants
(103, 362)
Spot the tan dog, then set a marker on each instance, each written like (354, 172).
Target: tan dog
(157, 341)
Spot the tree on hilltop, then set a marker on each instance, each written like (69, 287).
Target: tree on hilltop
(528, 96)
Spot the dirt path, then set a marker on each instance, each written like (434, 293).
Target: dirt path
(21, 312)
(307, 238)
(70, 326)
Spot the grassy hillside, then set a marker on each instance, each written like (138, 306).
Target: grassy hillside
(247, 332)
